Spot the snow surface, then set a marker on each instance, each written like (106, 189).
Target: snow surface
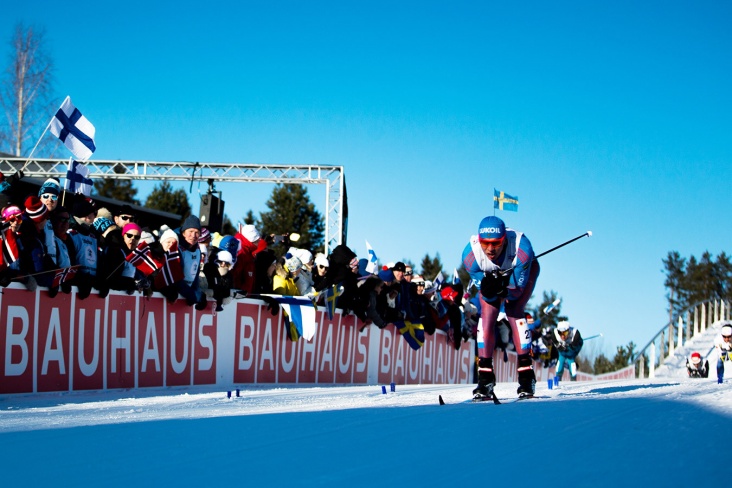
(615, 433)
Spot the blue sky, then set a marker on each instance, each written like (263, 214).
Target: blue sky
(606, 117)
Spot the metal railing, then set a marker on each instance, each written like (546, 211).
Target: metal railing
(691, 322)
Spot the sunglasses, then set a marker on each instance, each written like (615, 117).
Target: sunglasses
(320, 266)
(419, 283)
(408, 273)
(46, 196)
(132, 236)
(223, 264)
(491, 243)
(14, 218)
(126, 217)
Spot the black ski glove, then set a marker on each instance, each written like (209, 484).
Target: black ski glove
(494, 285)
(272, 305)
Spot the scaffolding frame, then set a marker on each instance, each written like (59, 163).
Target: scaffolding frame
(331, 176)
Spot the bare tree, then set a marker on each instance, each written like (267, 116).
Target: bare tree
(25, 90)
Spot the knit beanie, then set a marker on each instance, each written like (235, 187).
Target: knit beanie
(131, 226)
(101, 224)
(250, 233)
(167, 234)
(191, 222)
(292, 263)
(205, 235)
(35, 209)
(51, 186)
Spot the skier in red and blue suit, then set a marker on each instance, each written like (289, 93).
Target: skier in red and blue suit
(501, 265)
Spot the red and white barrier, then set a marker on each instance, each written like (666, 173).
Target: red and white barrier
(121, 341)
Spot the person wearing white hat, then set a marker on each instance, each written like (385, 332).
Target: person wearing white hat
(286, 272)
(218, 276)
(568, 342)
(723, 345)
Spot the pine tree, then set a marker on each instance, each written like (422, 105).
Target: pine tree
(164, 198)
(431, 267)
(121, 190)
(291, 211)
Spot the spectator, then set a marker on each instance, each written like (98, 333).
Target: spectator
(568, 342)
(60, 222)
(265, 263)
(218, 276)
(48, 194)
(84, 250)
(12, 216)
(101, 227)
(368, 294)
(204, 243)
(188, 287)
(116, 271)
(124, 215)
(286, 271)
(723, 344)
(6, 187)
(244, 272)
(386, 300)
(695, 368)
(34, 260)
(320, 269)
(304, 280)
(167, 242)
(342, 270)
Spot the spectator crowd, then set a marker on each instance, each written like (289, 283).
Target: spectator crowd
(81, 244)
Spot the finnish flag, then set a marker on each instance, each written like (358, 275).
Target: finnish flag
(74, 130)
(77, 179)
(371, 265)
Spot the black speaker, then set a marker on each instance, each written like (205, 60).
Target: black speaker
(212, 212)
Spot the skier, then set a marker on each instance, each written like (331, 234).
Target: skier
(723, 344)
(501, 265)
(568, 342)
(695, 368)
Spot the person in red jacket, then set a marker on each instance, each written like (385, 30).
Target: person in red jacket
(245, 272)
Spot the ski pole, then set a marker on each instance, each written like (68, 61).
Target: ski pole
(551, 306)
(592, 337)
(511, 269)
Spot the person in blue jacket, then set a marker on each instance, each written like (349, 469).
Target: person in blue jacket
(501, 265)
(568, 342)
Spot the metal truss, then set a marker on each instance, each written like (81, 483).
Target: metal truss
(331, 176)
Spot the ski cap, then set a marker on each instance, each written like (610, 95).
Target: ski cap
(727, 330)
(563, 326)
(491, 228)
(695, 358)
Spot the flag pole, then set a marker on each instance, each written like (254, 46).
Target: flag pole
(27, 160)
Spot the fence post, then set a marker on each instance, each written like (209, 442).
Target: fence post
(670, 340)
(680, 339)
(641, 366)
(652, 361)
(703, 318)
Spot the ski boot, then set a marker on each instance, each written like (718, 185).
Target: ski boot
(526, 377)
(486, 380)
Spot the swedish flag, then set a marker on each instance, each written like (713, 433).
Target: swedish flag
(413, 333)
(331, 297)
(504, 201)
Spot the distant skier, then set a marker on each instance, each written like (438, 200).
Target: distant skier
(568, 342)
(723, 344)
(695, 368)
(501, 265)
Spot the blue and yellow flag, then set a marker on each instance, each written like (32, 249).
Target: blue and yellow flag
(412, 332)
(504, 201)
(331, 297)
(299, 316)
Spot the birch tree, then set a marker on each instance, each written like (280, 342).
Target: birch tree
(25, 90)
